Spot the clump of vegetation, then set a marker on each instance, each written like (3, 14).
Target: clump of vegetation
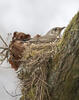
(34, 72)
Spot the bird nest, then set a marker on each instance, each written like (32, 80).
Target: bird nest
(34, 61)
(34, 70)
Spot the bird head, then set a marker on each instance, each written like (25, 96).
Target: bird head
(57, 30)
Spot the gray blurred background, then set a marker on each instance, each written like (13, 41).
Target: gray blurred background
(30, 16)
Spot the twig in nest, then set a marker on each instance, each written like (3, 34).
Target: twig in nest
(4, 49)
(3, 41)
(44, 82)
(4, 56)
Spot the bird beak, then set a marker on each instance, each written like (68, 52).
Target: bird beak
(62, 28)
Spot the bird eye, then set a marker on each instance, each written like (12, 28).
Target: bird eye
(55, 29)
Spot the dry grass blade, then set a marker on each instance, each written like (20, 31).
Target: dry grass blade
(4, 51)
(3, 41)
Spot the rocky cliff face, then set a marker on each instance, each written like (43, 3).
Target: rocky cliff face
(52, 74)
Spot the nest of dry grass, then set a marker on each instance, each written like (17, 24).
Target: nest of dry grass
(33, 73)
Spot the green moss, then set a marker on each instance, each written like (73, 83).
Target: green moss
(67, 36)
(71, 85)
(68, 58)
(72, 27)
(22, 98)
(31, 94)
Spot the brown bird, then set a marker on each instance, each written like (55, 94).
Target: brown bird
(51, 36)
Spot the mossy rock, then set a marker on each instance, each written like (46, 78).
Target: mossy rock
(67, 63)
